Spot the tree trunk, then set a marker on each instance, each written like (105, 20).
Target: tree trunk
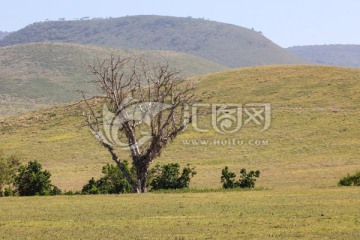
(142, 177)
(141, 172)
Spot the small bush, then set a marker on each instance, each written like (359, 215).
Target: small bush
(228, 178)
(32, 180)
(8, 192)
(160, 177)
(168, 177)
(91, 187)
(247, 179)
(8, 169)
(55, 191)
(71, 193)
(350, 180)
(113, 182)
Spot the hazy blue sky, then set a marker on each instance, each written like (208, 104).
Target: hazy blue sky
(286, 22)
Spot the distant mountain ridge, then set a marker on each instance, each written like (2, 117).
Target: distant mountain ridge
(335, 55)
(3, 34)
(226, 44)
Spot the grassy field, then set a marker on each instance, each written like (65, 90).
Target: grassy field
(312, 142)
(329, 213)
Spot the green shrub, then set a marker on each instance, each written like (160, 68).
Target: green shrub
(8, 168)
(71, 193)
(55, 191)
(350, 180)
(8, 192)
(160, 177)
(32, 180)
(113, 182)
(247, 180)
(228, 178)
(168, 176)
(90, 187)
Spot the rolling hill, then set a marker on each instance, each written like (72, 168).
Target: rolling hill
(335, 55)
(312, 141)
(226, 44)
(36, 75)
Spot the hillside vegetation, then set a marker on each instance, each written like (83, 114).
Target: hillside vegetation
(312, 140)
(335, 55)
(226, 44)
(36, 75)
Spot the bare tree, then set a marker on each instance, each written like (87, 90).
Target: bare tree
(145, 107)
